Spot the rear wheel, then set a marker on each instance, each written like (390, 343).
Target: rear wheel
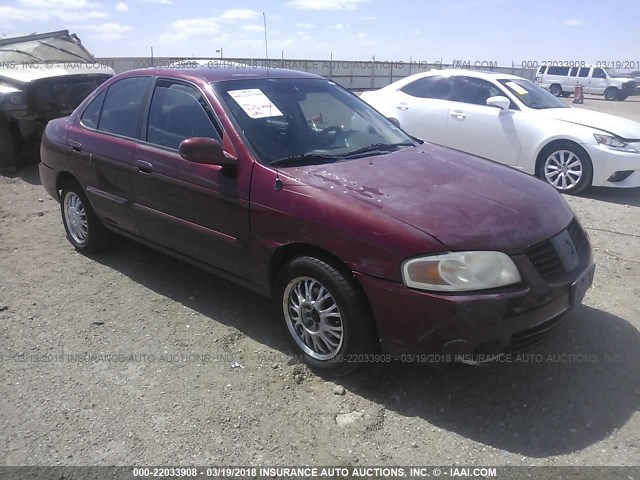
(566, 167)
(611, 93)
(556, 90)
(7, 148)
(326, 316)
(84, 230)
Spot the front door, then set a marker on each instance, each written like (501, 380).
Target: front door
(199, 210)
(477, 128)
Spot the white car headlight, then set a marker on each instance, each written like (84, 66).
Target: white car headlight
(614, 143)
(460, 271)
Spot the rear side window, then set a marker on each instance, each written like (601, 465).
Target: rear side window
(91, 114)
(584, 72)
(121, 108)
(179, 111)
(558, 71)
(574, 71)
(430, 87)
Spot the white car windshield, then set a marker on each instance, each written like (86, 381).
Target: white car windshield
(307, 120)
(613, 73)
(531, 94)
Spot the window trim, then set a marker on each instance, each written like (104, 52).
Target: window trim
(513, 106)
(450, 78)
(106, 91)
(144, 124)
(103, 93)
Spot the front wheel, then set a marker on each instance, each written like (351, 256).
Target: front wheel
(325, 315)
(611, 93)
(566, 167)
(84, 230)
(556, 90)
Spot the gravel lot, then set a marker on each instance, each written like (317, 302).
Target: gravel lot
(211, 381)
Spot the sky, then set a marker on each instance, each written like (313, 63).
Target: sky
(502, 31)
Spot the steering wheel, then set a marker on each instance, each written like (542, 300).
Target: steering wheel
(337, 132)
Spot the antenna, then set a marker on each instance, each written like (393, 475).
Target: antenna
(266, 47)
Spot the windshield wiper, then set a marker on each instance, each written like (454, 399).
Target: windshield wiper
(309, 157)
(378, 147)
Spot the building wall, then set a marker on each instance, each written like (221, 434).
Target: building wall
(354, 75)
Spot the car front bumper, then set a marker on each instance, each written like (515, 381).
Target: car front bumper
(411, 321)
(612, 168)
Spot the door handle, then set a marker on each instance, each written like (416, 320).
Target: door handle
(402, 106)
(75, 147)
(144, 167)
(459, 115)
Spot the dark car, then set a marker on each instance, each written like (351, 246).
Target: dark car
(369, 241)
(42, 76)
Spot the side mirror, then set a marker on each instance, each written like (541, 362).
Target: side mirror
(395, 121)
(205, 150)
(503, 103)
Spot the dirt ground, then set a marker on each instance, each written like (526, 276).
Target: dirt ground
(134, 358)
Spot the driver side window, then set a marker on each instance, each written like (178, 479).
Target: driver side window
(474, 90)
(179, 111)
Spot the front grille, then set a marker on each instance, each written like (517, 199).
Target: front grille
(579, 238)
(528, 338)
(545, 258)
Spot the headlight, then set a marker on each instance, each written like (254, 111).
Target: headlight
(460, 271)
(614, 143)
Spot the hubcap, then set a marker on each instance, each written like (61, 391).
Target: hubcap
(563, 169)
(75, 217)
(313, 318)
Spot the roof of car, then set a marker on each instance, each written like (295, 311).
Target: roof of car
(453, 71)
(218, 70)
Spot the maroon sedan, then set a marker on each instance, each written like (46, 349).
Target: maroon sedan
(371, 242)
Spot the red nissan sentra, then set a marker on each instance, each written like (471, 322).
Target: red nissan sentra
(372, 243)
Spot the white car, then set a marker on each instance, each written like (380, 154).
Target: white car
(511, 120)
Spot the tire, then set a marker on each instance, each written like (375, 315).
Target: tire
(7, 148)
(330, 344)
(622, 97)
(565, 94)
(556, 90)
(574, 159)
(611, 94)
(84, 230)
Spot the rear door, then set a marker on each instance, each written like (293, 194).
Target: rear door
(195, 209)
(474, 127)
(102, 142)
(583, 79)
(422, 107)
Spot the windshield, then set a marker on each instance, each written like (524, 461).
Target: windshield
(40, 49)
(307, 120)
(531, 94)
(613, 73)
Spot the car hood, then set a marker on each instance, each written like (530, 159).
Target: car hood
(618, 126)
(465, 202)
